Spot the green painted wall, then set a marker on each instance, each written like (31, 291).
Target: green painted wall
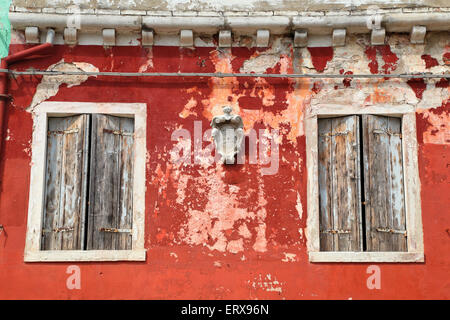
(5, 28)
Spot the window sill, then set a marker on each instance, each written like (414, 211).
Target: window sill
(82, 255)
(393, 257)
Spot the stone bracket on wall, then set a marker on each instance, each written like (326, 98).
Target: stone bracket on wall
(152, 29)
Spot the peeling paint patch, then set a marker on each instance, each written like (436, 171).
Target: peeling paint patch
(261, 241)
(149, 63)
(49, 85)
(418, 86)
(244, 231)
(438, 129)
(289, 257)
(429, 61)
(222, 224)
(299, 207)
(379, 95)
(300, 233)
(181, 188)
(320, 57)
(235, 246)
(389, 58)
(442, 83)
(260, 63)
(347, 81)
(221, 93)
(247, 103)
(446, 58)
(8, 135)
(267, 283)
(27, 149)
(187, 110)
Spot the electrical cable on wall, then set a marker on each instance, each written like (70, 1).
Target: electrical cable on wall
(221, 75)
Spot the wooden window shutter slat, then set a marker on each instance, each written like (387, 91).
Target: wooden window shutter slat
(111, 183)
(339, 184)
(66, 181)
(383, 184)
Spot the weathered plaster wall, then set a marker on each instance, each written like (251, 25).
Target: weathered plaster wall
(218, 233)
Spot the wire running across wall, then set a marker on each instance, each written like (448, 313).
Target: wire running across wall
(223, 75)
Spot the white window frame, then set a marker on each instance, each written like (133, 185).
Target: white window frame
(41, 113)
(413, 210)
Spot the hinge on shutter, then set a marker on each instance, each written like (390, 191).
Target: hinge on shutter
(61, 229)
(63, 131)
(114, 230)
(335, 134)
(336, 231)
(392, 231)
(390, 133)
(118, 132)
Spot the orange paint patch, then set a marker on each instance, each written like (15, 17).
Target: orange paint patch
(221, 94)
(438, 131)
(264, 91)
(149, 63)
(187, 110)
(378, 95)
(292, 115)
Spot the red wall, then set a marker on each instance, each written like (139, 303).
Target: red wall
(176, 268)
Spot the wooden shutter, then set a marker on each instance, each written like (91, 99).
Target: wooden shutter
(339, 184)
(383, 184)
(111, 183)
(64, 209)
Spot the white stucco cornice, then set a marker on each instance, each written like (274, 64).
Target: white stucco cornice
(163, 24)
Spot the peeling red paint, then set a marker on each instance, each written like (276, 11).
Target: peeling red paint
(442, 83)
(390, 59)
(320, 57)
(250, 103)
(347, 81)
(430, 122)
(317, 86)
(446, 58)
(429, 61)
(418, 85)
(371, 53)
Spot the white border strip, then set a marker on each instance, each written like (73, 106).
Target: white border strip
(88, 255)
(395, 257)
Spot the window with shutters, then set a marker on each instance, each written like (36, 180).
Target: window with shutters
(88, 183)
(363, 186)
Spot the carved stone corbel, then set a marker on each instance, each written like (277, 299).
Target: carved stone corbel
(227, 132)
